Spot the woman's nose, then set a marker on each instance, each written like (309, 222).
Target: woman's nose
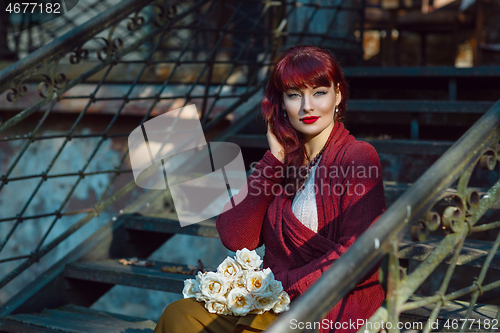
(307, 104)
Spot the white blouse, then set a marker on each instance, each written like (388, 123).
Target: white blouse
(304, 203)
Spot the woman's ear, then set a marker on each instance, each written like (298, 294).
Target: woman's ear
(338, 95)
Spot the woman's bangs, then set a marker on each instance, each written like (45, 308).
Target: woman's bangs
(300, 74)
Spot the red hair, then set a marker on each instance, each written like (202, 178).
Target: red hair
(299, 66)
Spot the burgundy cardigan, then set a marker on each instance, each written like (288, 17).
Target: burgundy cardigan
(351, 200)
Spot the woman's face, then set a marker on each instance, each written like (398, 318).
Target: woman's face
(311, 110)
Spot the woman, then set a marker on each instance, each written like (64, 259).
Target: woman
(315, 191)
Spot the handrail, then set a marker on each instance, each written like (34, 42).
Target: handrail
(68, 42)
(364, 254)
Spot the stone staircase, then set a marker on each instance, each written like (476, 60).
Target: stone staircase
(410, 115)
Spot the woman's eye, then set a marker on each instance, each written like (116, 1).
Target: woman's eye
(292, 95)
(320, 93)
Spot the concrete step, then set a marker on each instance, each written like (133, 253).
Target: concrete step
(451, 317)
(170, 225)
(74, 319)
(113, 272)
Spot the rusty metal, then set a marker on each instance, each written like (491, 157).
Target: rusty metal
(444, 285)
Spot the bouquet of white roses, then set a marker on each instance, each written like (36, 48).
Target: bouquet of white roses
(238, 287)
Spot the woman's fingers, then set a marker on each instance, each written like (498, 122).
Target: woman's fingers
(274, 146)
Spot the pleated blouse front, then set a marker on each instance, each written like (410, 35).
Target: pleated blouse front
(304, 203)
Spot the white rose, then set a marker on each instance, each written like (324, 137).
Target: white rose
(265, 302)
(257, 282)
(274, 287)
(239, 301)
(240, 280)
(199, 295)
(217, 306)
(229, 268)
(199, 276)
(256, 311)
(248, 259)
(283, 303)
(201, 298)
(191, 287)
(213, 285)
(269, 273)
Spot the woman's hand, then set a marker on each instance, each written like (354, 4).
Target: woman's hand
(275, 147)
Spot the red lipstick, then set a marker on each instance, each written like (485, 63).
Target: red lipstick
(309, 120)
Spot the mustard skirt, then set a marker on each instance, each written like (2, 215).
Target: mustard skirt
(190, 316)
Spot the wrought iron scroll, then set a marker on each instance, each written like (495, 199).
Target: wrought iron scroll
(456, 214)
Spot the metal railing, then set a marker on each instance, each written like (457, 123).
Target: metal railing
(25, 32)
(427, 208)
(147, 48)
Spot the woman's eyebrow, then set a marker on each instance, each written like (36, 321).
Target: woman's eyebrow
(315, 87)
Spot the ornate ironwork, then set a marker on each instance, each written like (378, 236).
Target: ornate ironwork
(17, 91)
(78, 54)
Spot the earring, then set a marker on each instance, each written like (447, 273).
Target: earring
(284, 114)
(337, 108)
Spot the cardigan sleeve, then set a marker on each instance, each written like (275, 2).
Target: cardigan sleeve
(240, 227)
(361, 202)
